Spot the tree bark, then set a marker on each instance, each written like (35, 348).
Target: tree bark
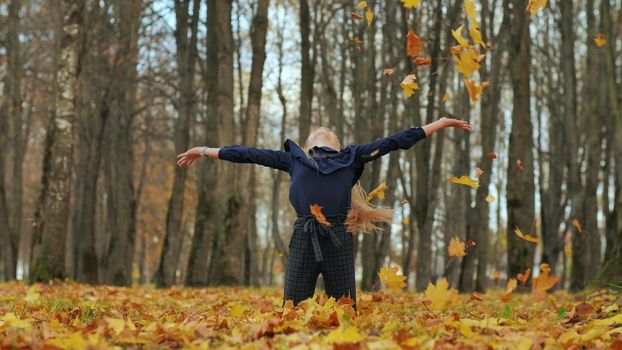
(307, 73)
(520, 183)
(48, 260)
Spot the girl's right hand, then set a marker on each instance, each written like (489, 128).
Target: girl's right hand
(188, 157)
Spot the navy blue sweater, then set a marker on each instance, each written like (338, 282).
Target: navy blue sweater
(325, 176)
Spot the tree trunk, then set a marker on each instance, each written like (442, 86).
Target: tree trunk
(307, 73)
(520, 183)
(48, 260)
(186, 41)
(121, 201)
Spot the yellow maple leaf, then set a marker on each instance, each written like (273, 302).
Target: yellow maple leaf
(469, 9)
(457, 34)
(445, 97)
(391, 279)
(409, 85)
(600, 40)
(346, 333)
(378, 192)
(475, 90)
(543, 282)
(316, 210)
(525, 237)
(456, 247)
(410, 4)
(362, 4)
(440, 294)
(464, 180)
(467, 61)
(534, 6)
(11, 320)
(369, 16)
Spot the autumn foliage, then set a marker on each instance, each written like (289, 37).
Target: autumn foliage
(76, 316)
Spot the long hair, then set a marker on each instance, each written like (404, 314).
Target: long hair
(362, 216)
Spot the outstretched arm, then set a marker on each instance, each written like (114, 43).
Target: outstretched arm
(239, 154)
(405, 139)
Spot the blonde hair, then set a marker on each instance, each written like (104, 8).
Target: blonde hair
(363, 216)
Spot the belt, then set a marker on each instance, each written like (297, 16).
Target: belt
(314, 228)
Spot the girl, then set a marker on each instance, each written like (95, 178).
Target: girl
(325, 174)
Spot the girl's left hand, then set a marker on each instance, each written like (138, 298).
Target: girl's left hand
(457, 123)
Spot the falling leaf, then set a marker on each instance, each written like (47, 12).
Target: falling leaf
(543, 282)
(410, 4)
(469, 9)
(534, 6)
(600, 40)
(476, 35)
(568, 250)
(414, 45)
(356, 16)
(377, 192)
(467, 62)
(479, 172)
(496, 274)
(456, 248)
(369, 16)
(454, 50)
(387, 72)
(445, 97)
(525, 237)
(316, 210)
(357, 41)
(490, 198)
(470, 243)
(440, 295)
(523, 277)
(405, 220)
(475, 90)
(520, 165)
(409, 85)
(509, 289)
(464, 180)
(457, 34)
(362, 4)
(492, 155)
(577, 225)
(423, 61)
(391, 279)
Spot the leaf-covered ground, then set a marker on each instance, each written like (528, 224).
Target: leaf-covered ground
(75, 316)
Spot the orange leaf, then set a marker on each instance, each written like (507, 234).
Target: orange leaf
(414, 45)
(523, 277)
(543, 282)
(388, 72)
(423, 61)
(316, 210)
(520, 165)
(356, 16)
(492, 155)
(496, 274)
(600, 40)
(509, 289)
(577, 225)
(475, 91)
(534, 6)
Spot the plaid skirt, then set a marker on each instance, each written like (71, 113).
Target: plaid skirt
(314, 249)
